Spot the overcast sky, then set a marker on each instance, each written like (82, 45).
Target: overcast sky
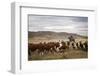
(68, 24)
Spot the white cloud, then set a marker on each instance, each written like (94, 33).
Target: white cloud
(59, 27)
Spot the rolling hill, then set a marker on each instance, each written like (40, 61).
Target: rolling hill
(53, 35)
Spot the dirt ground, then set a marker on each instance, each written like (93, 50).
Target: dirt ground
(68, 54)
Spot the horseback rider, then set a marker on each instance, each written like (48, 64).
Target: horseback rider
(71, 38)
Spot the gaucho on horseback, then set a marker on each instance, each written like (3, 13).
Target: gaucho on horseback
(71, 39)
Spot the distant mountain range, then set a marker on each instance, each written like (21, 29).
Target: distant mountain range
(53, 35)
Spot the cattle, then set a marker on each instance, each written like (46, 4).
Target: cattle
(77, 45)
(80, 45)
(44, 48)
(63, 46)
(73, 45)
(68, 44)
(86, 46)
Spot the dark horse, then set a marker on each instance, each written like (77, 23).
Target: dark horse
(71, 39)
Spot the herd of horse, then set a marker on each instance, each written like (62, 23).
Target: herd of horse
(43, 48)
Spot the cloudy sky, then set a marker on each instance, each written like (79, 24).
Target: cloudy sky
(68, 24)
